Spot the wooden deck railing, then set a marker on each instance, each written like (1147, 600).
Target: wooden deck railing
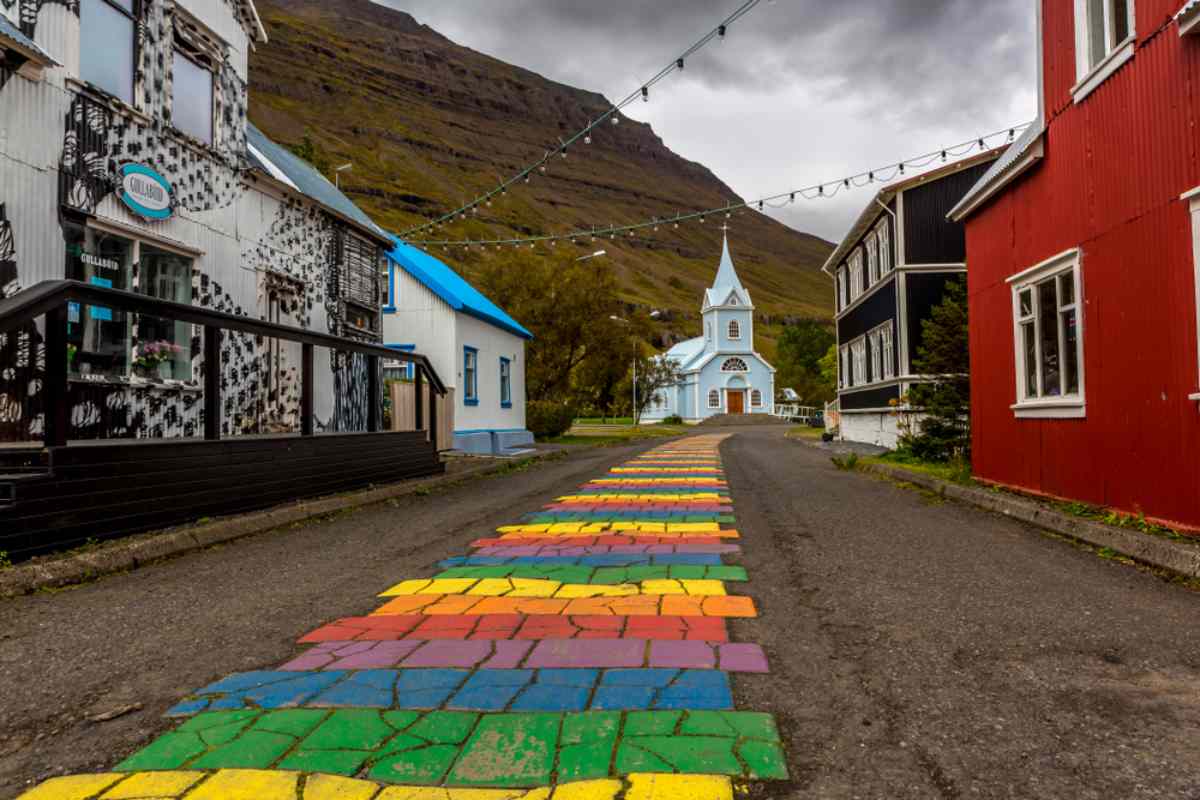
(49, 299)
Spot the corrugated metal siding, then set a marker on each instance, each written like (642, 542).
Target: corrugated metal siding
(874, 311)
(1115, 167)
(930, 238)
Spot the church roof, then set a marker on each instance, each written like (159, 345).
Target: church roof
(685, 353)
(727, 281)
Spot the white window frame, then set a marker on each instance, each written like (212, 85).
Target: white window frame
(735, 360)
(756, 398)
(714, 395)
(734, 330)
(844, 366)
(887, 345)
(856, 275)
(858, 362)
(883, 237)
(1193, 197)
(1073, 406)
(875, 337)
(844, 286)
(1090, 72)
(873, 273)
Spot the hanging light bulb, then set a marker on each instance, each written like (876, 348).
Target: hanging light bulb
(679, 63)
(616, 119)
(645, 94)
(943, 156)
(542, 168)
(901, 169)
(871, 177)
(587, 138)
(792, 198)
(821, 191)
(721, 33)
(847, 182)
(677, 224)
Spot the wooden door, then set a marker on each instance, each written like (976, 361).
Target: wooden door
(737, 402)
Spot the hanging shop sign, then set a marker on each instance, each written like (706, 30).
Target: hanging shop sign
(145, 192)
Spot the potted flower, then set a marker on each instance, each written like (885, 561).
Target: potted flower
(152, 357)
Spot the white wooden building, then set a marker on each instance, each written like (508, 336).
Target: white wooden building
(127, 161)
(473, 344)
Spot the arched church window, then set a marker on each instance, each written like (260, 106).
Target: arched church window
(714, 399)
(734, 365)
(756, 398)
(735, 330)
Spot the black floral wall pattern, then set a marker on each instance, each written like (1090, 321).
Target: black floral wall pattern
(21, 355)
(31, 9)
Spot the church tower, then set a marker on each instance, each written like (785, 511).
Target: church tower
(728, 312)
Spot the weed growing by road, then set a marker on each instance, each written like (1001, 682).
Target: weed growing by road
(846, 463)
(5, 561)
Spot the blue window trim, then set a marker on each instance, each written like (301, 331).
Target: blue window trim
(390, 308)
(405, 348)
(505, 362)
(470, 393)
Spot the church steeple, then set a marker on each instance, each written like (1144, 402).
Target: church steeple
(727, 277)
(727, 288)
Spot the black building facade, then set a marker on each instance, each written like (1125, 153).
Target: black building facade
(889, 273)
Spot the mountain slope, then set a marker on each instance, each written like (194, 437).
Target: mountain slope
(429, 124)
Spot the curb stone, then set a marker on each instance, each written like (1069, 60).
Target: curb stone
(1180, 558)
(123, 556)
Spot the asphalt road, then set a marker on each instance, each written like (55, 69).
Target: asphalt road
(918, 650)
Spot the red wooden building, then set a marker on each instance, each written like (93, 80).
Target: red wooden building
(1083, 241)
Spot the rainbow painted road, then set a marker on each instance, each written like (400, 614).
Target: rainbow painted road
(582, 653)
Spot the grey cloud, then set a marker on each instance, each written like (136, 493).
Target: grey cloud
(915, 71)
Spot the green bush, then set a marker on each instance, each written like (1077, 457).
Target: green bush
(547, 419)
(673, 420)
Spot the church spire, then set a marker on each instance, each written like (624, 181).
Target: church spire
(727, 277)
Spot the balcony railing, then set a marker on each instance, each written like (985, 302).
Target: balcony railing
(49, 299)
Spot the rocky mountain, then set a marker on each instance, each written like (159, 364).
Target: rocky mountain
(429, 123)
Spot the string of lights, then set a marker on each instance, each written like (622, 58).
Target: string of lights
(828, 189)
(613, 114)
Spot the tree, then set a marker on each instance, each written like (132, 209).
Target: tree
(944, 432)
(579, 352)
(653, 375)
(798, 359)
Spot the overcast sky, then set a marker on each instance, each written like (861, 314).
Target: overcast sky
(802, 91)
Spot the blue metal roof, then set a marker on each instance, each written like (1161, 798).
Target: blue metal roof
(12, 34)
(453, 288)
(279, 162)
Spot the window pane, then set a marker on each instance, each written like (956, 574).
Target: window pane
(1048, 318)
(169, 277)
(1096, 32)
(1071, 356)
(191, 110)
(1029, 337)
(99, 336)
(1026, 303)
(1120, 21)
(1066, 289)
(125, 4)
(106, 51)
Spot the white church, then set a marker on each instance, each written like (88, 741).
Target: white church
(720, 371)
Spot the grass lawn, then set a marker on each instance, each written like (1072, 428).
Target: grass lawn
(617, 434)
(805, 432)
(604, 421)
